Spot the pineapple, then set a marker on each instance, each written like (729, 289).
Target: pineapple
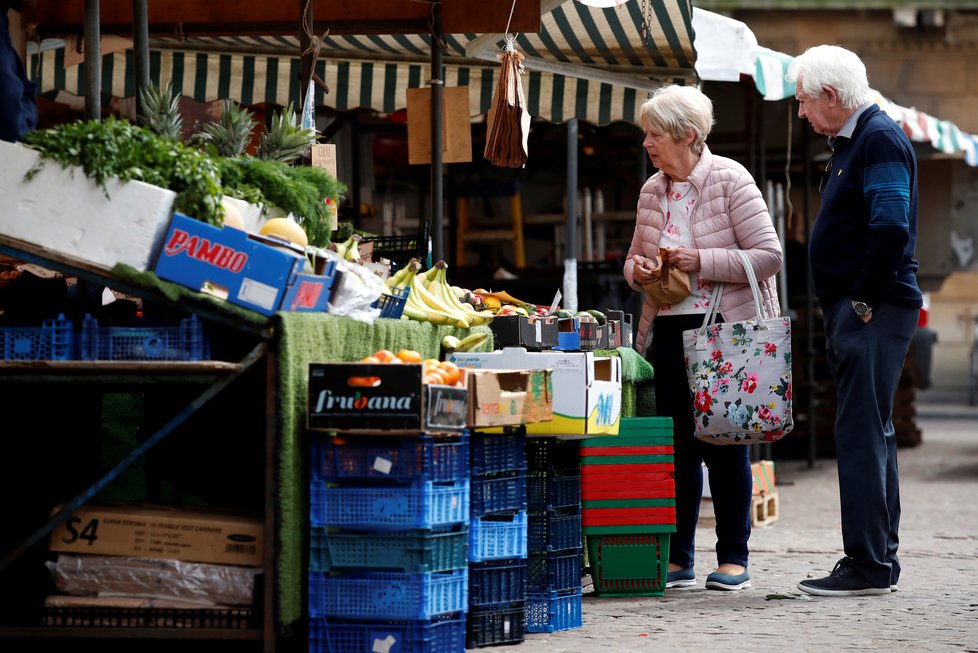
(285, 140)
(231, 136)
(160, 111)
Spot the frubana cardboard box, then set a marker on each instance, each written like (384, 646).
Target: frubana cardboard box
(586, 388)
(160, 532)
(381, 399)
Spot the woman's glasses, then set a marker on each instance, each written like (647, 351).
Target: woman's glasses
(824, 178)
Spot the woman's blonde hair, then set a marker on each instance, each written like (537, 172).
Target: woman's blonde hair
(679, 111)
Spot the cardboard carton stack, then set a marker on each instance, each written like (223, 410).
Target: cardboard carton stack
(114, 557)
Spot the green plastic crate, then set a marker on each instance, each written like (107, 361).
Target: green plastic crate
(629, 564)
(645, 423)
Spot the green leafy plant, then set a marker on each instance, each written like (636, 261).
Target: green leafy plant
(116, 148)
(298, 190)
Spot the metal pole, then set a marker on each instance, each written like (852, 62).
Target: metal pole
(570, 239)
(93, 61)
(140, 46)
(437, 118)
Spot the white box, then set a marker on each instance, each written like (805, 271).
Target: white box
(62, 210)
(586, 388)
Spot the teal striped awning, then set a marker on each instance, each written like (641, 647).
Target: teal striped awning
(586, 63)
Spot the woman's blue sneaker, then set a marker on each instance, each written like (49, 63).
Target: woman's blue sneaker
(681, 578)
(728, 582)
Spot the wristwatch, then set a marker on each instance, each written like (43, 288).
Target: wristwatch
(862, 309)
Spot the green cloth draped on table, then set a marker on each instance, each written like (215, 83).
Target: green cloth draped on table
(637, 389)
(322, 338)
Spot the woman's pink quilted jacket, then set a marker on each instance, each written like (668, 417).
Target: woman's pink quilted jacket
(731, 214)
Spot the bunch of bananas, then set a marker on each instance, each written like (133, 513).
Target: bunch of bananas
(431, 298)
(451, 344)
(349, 249)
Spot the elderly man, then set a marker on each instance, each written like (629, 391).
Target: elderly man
(861, 252)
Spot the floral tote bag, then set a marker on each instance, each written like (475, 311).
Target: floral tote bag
(739, 374)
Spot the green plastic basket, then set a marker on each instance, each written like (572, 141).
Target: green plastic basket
(629, 564)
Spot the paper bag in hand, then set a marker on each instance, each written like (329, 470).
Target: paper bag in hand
(669, 284)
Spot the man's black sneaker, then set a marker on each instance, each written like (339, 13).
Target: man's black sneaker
(843, 581)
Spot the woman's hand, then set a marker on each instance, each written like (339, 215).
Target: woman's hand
(687, 260)
(642, 270)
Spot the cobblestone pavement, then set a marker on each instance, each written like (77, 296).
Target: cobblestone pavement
(935, 609)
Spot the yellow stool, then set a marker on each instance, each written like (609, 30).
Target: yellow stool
(467, 233)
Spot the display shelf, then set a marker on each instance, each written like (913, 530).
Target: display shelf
(259, 325)
(118, 372)
(181, 389)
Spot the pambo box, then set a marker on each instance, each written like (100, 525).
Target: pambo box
(253, 274)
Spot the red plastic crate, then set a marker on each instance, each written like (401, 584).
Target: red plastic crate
(652, 490)
(628, 451)
(616, 471)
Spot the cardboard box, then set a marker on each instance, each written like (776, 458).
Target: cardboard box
(381, 399)
(254, 274)
(763, 473)
(533, 332)
(63, 211)
(586, 389)
(161, 532)
(509, 397)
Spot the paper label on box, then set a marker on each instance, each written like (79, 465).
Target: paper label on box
(382, 465)
(258, 293)
(384, 645)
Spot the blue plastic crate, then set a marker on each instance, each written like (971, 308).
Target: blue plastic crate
(52, 341)
(554, 530)
(545, 491)
(553, 571)
(395, 459)
(388, 594)
(185, 341)
(413, 551)
(392, 306)
(494, 454)
(504, 624)
(497, 537)
(504, 492)
(441, 635)
(554, 456)
(549, 613)
(389, 507)
(497, 581)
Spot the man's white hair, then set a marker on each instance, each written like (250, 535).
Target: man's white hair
(831, 65)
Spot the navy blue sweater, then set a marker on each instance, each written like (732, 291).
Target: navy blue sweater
(862, 243)
(18, 112)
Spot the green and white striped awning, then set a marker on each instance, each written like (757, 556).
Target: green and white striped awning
(586, 63)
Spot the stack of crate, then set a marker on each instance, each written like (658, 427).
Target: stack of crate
(498, 538)
(553, 599)
(388, 552)
(628, 500)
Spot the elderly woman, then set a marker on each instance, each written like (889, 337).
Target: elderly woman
(698, 209)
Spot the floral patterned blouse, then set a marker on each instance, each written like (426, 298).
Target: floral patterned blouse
(678, 204)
